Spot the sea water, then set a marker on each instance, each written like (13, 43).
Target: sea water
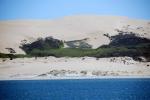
(76, 89)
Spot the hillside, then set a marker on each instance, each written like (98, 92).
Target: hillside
(71, 28)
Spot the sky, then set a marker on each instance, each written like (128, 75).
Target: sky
(51, 9)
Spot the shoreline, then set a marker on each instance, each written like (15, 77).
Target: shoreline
(80, 78)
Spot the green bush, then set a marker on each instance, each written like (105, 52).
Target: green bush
(42, 44)
(119, 46)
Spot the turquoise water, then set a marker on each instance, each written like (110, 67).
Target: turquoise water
(83, 89)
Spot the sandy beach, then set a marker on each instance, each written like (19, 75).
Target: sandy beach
(72, 68)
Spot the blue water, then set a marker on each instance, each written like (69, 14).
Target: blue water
(95, 89)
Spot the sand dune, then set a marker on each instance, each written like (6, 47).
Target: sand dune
(68, 28)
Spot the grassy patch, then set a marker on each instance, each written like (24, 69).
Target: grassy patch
(12, 56)
(121, 45)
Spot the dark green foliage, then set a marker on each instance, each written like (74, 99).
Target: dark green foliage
(121, 45)
(2, 55)
(12, 56)
(133, 45)
(127, 39)
(42, 44)
(70, 52)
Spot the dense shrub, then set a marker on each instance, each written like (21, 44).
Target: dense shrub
(42, 44)
(120, 45)
(127, 39)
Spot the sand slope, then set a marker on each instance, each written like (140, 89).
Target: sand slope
(68, 28)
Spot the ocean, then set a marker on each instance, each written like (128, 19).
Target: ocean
(76, 89)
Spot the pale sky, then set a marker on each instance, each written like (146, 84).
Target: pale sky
(51, 9)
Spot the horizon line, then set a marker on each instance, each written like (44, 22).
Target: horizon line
(60, 17)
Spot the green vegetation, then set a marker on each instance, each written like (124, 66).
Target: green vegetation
(120, 45)
(127, 40)
(139, 50)
(13, 56)
(42, 44)
(131, 51)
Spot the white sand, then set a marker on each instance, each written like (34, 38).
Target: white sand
(31, 68)
(68, 28)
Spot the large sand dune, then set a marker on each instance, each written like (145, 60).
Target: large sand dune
(68, 28)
